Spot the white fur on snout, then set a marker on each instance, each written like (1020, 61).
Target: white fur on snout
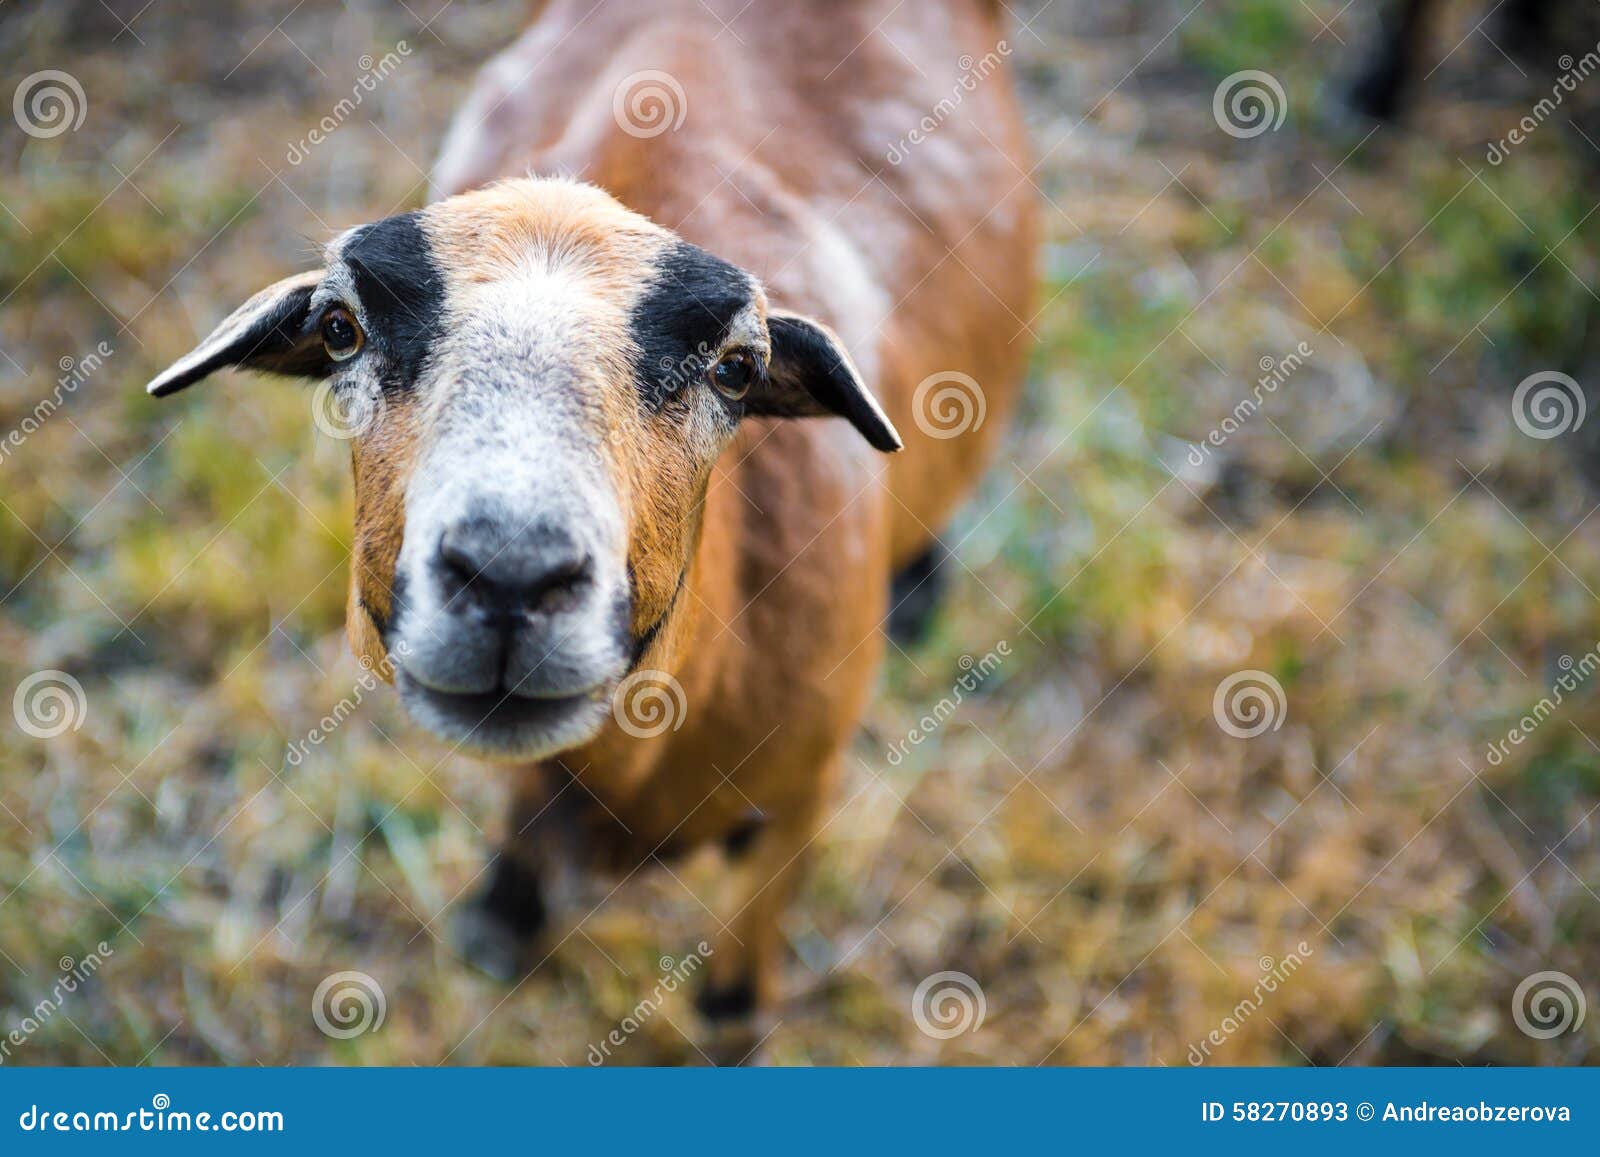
(514, 433)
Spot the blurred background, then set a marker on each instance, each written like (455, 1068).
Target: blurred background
(1299, 691)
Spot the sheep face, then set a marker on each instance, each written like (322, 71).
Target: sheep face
(536, 384)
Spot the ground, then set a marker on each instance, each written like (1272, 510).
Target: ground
(1085, 831)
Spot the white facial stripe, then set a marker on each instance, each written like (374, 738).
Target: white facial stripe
(748, 328)
(513, 393)
(338, 287)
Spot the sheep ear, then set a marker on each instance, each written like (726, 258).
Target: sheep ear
(270, 332)
(811, 375)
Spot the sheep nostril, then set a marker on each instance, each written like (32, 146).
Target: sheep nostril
(561, 586)
(502, 576)
(457, 563)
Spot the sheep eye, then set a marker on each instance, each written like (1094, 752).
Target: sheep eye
(735, 374)
(342, 338)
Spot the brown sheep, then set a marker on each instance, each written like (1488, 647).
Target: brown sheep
(581, 495)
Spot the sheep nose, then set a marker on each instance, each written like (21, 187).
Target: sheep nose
(503, 569)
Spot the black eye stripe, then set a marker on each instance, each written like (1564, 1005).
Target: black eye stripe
(401, 289)
(682, 319)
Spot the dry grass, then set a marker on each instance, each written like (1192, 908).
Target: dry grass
(1081, 838)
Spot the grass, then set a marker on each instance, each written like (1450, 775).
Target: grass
(1082, 838)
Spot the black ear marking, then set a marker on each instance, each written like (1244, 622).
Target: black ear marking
(271, 332)
(811, 375)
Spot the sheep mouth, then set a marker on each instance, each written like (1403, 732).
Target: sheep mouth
(500, 725)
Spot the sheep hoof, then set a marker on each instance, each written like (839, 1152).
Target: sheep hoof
(737, 1028)
(915, 595)
(487, 944)
(738, 1044)
(737, 843)
(494, 931)
(719, 1003)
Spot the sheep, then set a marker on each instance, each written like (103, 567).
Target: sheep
(629, 498)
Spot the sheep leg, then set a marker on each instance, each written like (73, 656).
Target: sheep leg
(744, 971)
(1381, 88)
(915, 593)
(496, 929)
